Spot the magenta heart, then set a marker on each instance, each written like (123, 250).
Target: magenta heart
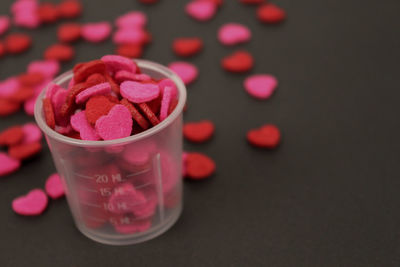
(137, 92)
(129, 36)
(234, 33)
(34, 203)
(117, 124)
(186, 71)
(48, 68)
(132, 19)
(9, 86)
(8, 165)
(201, 10)
(96, 32)
(261, 86)
(4, 24)
(32, 133)
(80, 124)
(54, 187)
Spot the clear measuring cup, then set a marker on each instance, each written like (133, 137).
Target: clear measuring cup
(128, 190)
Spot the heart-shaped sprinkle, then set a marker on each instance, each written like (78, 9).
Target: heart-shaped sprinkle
(48, 13)
(28, 19)
(9, 87)
(49, 68)
(234, 33)
(261, 86)
(270, 13)
(186, 47)
(139, 92)
(238, 62)
(199, 166)
(29, 106)
(199, 132)
(130, 50)
(17, 43)
(201, 10)
(25, 151)
(8, 165)
(115, 63)
(31, 79)
(96, 107)
(186, 71)
(69, 9)
(117, 124)
(80, 124)
(149, 113)
(96, 32)
(267, 136)
(131, 19)
(54, 187)
(135, 114)
(59, 52)
(129, 36)
(4, 24)
(124, 75)
(98, 89)
(69, 32)
(84, 70)
(32, 204)
(11, 136)
(58, 101)
(32, 133)
(8, 107)
(49, 113)
(165, 102)
(168, 83)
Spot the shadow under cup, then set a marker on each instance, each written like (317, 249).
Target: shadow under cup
(127, 190)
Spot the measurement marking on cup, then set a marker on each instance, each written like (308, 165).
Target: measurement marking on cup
(138, 173)
(89, 190)
(83, 176)
(143, 185)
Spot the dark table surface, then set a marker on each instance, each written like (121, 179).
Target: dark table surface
(329, 196)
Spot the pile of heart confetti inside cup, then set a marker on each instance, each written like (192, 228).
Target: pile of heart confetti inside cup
(141, 101)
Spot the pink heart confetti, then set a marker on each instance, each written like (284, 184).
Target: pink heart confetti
(9, 87)
(117, 124)
(32, 133)
(201, 10)
(48, 68)
(80, 124)
(32, 204)
(8, 165)
(186, 71)
(98, 89)
(115, 63)
(139, 92)
(131, 19)
(129, 36)
(54, 187)
(261, 86)
(165, 102)
(96, 32)
(4, 24)
(234, 33)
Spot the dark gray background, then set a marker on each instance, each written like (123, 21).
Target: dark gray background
(329, 196)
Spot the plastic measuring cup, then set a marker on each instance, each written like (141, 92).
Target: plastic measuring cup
(127, 190)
